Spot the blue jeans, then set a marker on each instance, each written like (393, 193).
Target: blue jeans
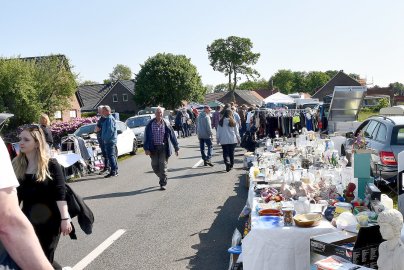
(208, 143)
(104, 153)
(111, 156)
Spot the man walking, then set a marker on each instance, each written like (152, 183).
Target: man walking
(205, 135)
(17, 236)
(109, 137)
(100, 142)
(159, 141)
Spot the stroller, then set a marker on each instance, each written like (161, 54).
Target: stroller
(87, 152)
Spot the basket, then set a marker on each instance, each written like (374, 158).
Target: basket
(308, 220)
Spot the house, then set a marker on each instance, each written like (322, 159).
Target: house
(242, 97)
(340, 79)
(264, 93)
(117, 95)
(380, 92)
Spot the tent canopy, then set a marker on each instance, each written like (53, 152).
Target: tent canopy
(279, 98)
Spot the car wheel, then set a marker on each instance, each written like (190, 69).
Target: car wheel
(134, 149)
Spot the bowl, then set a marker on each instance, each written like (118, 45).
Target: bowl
(307, 220)
(270, 212)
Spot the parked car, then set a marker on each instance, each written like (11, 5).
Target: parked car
(384, 136)
(126, 143)
(138, 124)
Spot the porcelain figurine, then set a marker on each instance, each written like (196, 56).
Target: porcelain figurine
(391, 252)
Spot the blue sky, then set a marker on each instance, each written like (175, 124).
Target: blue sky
(357, 36)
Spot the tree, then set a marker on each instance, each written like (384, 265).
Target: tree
(233, 57)
(168, 79)
(331, 73)
(398, 88)
(283, 80)
(88, 82)
(209, 88)
(299, 81)
(31, 86)
(120, 72)
(315, 80)
(254, 85)
(221, 88)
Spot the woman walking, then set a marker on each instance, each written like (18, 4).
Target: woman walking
(228, 136)
(42, 190)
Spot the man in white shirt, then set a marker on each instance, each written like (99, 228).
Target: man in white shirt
(16, 232)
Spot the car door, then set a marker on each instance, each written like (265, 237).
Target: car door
(125, 141)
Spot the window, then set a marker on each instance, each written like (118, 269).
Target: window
(121, 126)
(115, 97)
(397, 137)
(58, 115)
(381, 134)
(370, 128)
(125, 97)
(73, 114)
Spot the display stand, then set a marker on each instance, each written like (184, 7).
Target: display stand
(400, 179)
(362, 172)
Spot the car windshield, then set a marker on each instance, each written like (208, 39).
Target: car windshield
(137, 122)
(397, 136)
(85, 129)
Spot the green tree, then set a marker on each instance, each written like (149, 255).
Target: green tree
(120, 72)
(354, 76)
(299, 81)
(55, 82)
(315, 80)
(223, 87)
(88, 82)
(168, 79)
(398, 88)
(233, 57)
(209, 88)
(331, 73)
(30, 86)
(254, 85)
(283, 80)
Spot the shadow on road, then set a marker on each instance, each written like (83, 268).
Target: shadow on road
(195, 175)
(214, 242)
(123, 194)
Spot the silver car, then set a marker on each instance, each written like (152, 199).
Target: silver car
(385, 138)
(138, 124)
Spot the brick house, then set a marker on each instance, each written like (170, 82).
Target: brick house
(117, 95)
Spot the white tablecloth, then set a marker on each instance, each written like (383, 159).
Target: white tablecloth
(68, 159)
(270, 246)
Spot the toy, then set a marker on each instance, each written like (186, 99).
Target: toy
(349, 192)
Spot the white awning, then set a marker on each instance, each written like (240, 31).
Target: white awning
(279, 98)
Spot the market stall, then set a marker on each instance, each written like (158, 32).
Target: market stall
(299, 188)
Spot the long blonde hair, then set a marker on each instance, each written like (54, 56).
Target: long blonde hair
(20, 162)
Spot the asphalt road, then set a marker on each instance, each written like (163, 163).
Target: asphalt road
(187, 226)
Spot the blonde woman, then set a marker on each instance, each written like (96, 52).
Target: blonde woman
(42, 190)
(45, 125)
(228, 136)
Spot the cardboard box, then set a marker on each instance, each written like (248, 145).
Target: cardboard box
(336, 263)
(360, 249)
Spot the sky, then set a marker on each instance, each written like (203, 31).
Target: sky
(365, 37)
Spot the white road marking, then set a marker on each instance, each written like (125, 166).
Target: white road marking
(98, 250)
(197, 164)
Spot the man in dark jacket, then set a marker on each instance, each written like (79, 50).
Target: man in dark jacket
(159, 141)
